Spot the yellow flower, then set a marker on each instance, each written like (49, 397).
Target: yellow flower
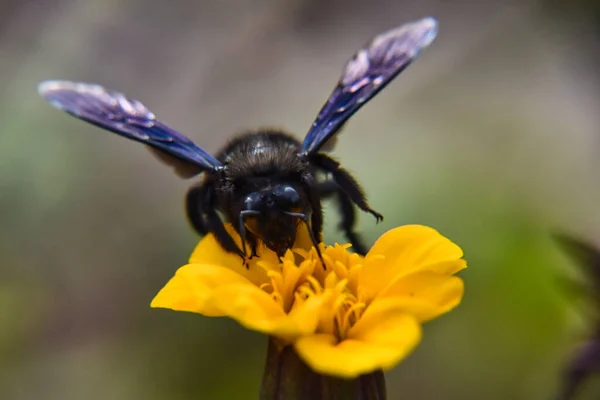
(356, 315)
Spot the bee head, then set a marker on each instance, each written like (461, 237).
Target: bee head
(281, 197)
(273, 214)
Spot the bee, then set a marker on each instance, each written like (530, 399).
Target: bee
(265, 183)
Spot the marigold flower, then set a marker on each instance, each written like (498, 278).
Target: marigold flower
(355, 316)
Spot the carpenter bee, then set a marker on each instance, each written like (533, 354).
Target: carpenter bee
(266, 183)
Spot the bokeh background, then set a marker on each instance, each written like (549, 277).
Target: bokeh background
(492, 137)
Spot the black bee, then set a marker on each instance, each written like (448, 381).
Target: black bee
(266, 182)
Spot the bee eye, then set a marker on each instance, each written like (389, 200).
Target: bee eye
(287, 195)
(252, 201)
(291, 195)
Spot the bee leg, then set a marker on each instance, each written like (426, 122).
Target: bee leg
(316, 219)
(253, 243)
(252, 247)
(195, 216)
(201, 204)
(313, 237)
(346, 209)
(242, 231)
(346, 182)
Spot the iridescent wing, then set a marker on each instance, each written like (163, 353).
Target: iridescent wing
(368, 72)
(131, 119)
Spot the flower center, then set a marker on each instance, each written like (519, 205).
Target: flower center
(292, 284)
(347, 310)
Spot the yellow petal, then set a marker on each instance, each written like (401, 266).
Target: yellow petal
(387, 341)
(405, 250)
(209, 251)
(216, 291)
(290, 277)
(257, 310)
(303, 240)
(447, 267)
(427, 293)
(192, 287)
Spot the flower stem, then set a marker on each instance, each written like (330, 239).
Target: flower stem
(287, 377)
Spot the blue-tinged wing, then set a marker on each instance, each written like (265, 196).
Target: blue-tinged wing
(369, 71)
(128, 118)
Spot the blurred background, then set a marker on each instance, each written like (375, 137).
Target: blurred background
(492, 137)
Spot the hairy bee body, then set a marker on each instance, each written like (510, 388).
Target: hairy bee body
(259, 163)
(264, 183)
(262, 153)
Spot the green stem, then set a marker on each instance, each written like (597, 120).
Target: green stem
(287, 377)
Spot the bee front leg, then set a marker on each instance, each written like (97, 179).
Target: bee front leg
(245, 237)
(253, 244)
(315, 235)
(201, 205)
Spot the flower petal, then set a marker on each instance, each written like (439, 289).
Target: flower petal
(209, 251)
(382, 346)
(427, 294)
(256, 310)
(447, 267)
(192, 287)
(405, 250)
